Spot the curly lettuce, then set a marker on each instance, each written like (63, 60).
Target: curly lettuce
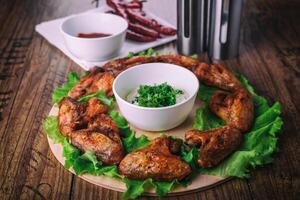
(63, 91)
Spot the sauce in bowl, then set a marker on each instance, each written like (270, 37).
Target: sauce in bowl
(93, 35)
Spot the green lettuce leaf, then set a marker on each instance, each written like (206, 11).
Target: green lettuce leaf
(205, 92)
(206, 120)
(63, 91)
(162, 188)
(50, 126)
(148, 52)
(110, 102)
(70, 154)
(135, 188)
(129, 139)
(259, 143)
(190, 156)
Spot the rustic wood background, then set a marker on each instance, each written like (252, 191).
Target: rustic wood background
(31, 68)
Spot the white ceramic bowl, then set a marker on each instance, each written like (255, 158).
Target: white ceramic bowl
(155, 119)
(94, 49)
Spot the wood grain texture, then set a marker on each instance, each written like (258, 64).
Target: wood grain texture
(30, 68)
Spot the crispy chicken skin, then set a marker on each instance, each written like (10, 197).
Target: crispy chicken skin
(96, 80)
(95, 107)
(156, 161)
(107, 146)
(119, 65)
(71, 116)
(103, 123)
(184, 61)
(235, 108)
(216, 144)
(218, 76)
(90, 129)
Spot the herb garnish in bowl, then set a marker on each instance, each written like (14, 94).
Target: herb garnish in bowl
(155, 96)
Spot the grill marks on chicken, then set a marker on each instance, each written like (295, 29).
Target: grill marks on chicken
(157, 161)
(90, 129)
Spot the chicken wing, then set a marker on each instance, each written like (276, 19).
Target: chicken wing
(119, 65)
(71, 116)
(218, 76)
(157, 161)
(235, 107)
(90, 129)
(107, 146)
(96, 80)
(216, 144)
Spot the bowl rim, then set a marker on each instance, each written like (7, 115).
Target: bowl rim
(155, 108)
(91, 39)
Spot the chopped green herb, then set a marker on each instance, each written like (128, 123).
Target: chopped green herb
(156, 96)
(130, 54)
(148, 52)
(194, 56)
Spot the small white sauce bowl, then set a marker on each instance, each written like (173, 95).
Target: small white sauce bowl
(94, 49)
(155, 119)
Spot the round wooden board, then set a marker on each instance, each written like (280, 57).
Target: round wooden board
(200, 182)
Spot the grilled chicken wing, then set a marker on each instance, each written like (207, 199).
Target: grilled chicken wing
(184, 61)
(90, 129)
(96, 80)
(107, 145)
(216, 144)
(156, 161)
(235, 107)
(119, 65)
(218, 76)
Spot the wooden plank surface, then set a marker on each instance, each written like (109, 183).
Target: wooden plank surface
(30, 68)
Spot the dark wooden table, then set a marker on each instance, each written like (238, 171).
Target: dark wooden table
(31, 68)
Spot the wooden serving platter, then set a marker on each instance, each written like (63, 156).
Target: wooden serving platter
(200, 182)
